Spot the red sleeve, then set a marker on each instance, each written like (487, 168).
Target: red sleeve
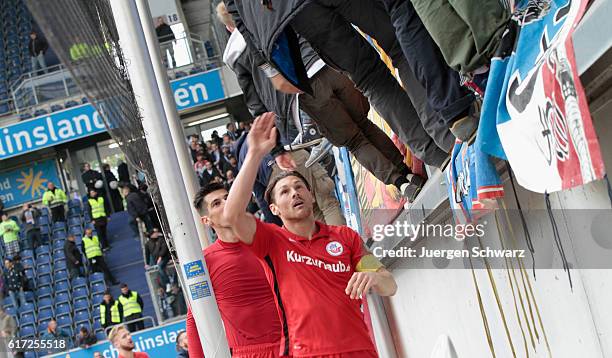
(356, 244)
(262, 240)
(193, 339)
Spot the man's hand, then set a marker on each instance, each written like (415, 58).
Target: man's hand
(285, 161)
(262, 136)
(281, 84)
(361, 282)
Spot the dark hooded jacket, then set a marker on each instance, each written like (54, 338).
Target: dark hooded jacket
(269, 37)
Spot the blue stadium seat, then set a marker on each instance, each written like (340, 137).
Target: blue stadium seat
(11, 311)
(79, 282)
(74, 203)
(96, 277)
(43, 272)
(60, 275)
(27, 331)
(82, 317)
(58, 254)
(44, 303)
(42, 327)
(60, 298)
(44, 292)
(27, 308)
(68, 329)
(98, 287)
(27, 318)
(45, 314)
(100, 336)
(63, 310)
(60, 264)
(56, 107)
(59, 225)
(64, 321)
(76, 231)
(96, 324)
(30, 354)
(97, 298)
(42, 249)
(40, 112)
(75, 221)
(81, 301)
(29, 295)
(62, 286)
(26, 254)
(24, 116)
(69, 104)
(59, 235)
(27, 261)
(43, 259)
(80, 292)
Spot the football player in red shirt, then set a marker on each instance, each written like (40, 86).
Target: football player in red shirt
(242, 290)
(321, 271)
(121, 339)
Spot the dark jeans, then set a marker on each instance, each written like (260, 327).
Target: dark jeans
(136, 326)
(74, 272)
(58, 213)
(338, 104)
(100, 225)
(32, 239)
(326, 25)
(444, 91)
(134, 225)
(98, 264)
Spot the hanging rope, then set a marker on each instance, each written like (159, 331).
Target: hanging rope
(523, 221)
(557, 238)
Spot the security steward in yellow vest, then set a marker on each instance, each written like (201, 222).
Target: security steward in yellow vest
(55, 198)
(111, 311)
(132, 307)
(95, 206)
(93, 252)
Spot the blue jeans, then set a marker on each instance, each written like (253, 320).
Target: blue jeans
(22, 299)
(39, 62)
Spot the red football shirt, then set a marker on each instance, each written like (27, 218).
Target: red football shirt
(138, 355)
(311, 276)
(244, 297)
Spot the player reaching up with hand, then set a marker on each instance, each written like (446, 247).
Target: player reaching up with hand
(320, 271)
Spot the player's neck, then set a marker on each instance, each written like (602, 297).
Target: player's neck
(126, 354)
(226, 235)
(302, 227)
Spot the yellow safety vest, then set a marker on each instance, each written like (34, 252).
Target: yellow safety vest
(97, 207)
(114, 313)
(130, 304)
(51, 199)
(92, 247)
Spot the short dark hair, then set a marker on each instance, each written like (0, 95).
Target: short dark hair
(198, 201)
(269, 197)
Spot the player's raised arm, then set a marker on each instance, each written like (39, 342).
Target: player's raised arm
(261, 139)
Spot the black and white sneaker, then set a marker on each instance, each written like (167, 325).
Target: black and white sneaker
(413, 187)
(317, 153)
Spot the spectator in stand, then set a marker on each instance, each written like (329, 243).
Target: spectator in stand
(55, 199)
(9, 230)
(93, 253)
(38, 48)
(8, 326)
(179, 307)
(124, 172)
(143, 191)
(166, 38)
(113, 184)
(232, 165)
(210, 174)
(215, 138)
(21, 270)
(228, 140)
(92, 178)
(55, 334)
(74, 258)
(95, 207)
(86, 339)
(98, 355)
(229, 178)
(14, 280)
(29, 218)
(215, 152)
(132, 307)
(194, 146)
(182, 345)
(163, 301)
(157, 253)
(111, 311)
(226, 153)
(200, 163)
(232, 132)
(137, 208)
(121, 339)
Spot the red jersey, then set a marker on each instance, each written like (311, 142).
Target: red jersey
(244, 297)
(311, 277)
(138, 355)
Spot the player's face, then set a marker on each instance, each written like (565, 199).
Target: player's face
(292, 199)
(124, 340)
(215, 203)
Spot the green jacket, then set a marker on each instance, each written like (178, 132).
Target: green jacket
(53, 199)
(9, 230)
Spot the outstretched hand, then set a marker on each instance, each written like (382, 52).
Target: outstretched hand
(285, 161)
(262, 136)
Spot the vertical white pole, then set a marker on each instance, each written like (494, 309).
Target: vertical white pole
(171, 184)
(172, 116)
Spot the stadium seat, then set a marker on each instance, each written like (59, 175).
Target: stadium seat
(97, 298)
(59, 235)
(96, 277)
(62, 286)
(43, 272)
(42, 327)
(40, 112)
(75, 221)
(96, 324)
(30, 354)
(27, 308)
(79, 292)
(98, 287)
(27, 261)
(69, 104)
(64, 321)
(60, 275)
(43, 259)
(68, 329)
(61, 298)
(63, 309)
(60, 264)
(45, 314)
(44, 303)
(79, 282)
(43, 220)
(29, 295)
(56, 107)
(11, 311)
(75, 212)
(26, 254)
(27, 318)
(74, 203)
(44, 211)
(81, 317)
(81, 301)
(44, 292)
(27, 331)
(58, 254)
(42, 249)
(59, 225)
(100, 336)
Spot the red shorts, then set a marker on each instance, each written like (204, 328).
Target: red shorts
(265, 350)
(356, 354)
